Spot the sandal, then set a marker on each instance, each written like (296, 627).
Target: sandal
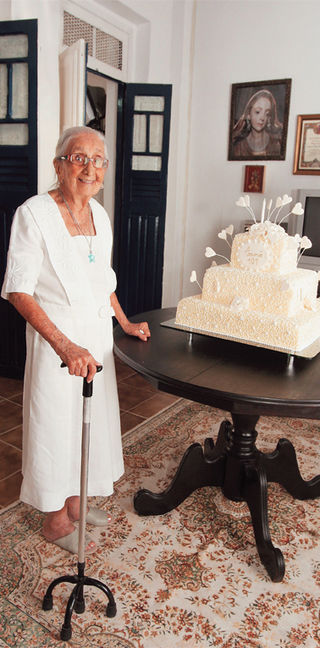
(70, 542)
(97, 517)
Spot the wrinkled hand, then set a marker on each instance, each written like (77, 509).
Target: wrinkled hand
(79, 361)
(139, 329)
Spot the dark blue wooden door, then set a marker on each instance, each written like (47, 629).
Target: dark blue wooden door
(140, 205)
(18, 163)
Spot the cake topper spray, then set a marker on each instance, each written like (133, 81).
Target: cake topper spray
(269, 225)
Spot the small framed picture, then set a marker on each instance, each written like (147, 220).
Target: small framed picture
(307, 151)
(254, 178)
(259, 120)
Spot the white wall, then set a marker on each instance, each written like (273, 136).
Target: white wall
(201, 47)
(241, 41)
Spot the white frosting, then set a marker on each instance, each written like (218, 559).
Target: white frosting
(260, 296)
(265, 247)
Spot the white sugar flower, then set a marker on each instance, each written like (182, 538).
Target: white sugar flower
(239, 304)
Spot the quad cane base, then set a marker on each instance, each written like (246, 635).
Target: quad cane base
(76, 601)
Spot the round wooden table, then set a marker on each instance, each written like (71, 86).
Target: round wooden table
(248, 382)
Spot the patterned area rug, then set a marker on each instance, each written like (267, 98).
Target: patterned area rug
(189, 578)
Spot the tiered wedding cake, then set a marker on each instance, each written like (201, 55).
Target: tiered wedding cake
(260, 296)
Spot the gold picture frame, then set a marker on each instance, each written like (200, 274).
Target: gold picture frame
(307, 149)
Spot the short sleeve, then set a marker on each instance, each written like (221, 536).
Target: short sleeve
(25, 254)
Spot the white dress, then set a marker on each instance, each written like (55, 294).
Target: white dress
(46, 262)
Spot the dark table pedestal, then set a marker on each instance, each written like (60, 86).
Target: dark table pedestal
(246, 381)
(236, 465)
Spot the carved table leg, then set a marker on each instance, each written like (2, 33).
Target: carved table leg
(282, 467)
(198, 468)
(246, 480)
(255, 493)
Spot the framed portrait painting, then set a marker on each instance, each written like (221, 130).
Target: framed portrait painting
(307, 151)
(259, 120)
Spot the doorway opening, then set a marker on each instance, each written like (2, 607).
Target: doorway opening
(101, 114)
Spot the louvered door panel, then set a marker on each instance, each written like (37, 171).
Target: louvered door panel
(140, 206)
(18, 164)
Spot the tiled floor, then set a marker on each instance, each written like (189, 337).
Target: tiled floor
(138, 401)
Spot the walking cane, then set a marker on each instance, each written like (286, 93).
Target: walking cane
(76, 600)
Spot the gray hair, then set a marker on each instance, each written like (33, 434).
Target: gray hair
(72, 133)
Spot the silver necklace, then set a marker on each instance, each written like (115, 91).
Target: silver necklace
(91, 255)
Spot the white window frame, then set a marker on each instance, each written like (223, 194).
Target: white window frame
(104, 24)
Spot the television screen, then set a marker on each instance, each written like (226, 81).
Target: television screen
(311, 225)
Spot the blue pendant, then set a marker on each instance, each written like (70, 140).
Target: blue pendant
(91, 257)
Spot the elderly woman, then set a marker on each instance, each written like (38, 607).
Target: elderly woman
(60, 280)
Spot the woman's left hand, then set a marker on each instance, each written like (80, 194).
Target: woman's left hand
(140, 330)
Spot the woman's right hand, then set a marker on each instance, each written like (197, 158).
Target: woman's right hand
(79, 361)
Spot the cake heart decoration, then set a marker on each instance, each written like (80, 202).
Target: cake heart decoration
(229, 230)
(298, 209)
(286, 199)
(305, 243)
(193, 276)
(209, 252)
(222, 234)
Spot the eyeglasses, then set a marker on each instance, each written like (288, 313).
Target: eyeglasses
(82, 160)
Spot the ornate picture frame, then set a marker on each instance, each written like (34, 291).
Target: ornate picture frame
(254, 179)
(259, 120)
(307, 149)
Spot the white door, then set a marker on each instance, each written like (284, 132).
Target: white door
(73, 71)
